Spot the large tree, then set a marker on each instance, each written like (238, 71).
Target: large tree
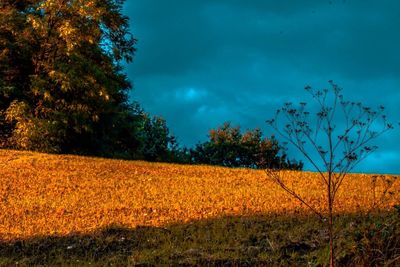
(62, 88)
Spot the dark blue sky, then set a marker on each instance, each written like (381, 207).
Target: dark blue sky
(202, 62)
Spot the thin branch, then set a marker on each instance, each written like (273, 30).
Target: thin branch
(305, 154)
(277, 179)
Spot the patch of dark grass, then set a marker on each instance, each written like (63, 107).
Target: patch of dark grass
(372, 240)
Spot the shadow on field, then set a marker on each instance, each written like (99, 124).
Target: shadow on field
(227, 241)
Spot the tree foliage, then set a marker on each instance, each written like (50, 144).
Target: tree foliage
(62, 88)
(227, 146)
(157, 142)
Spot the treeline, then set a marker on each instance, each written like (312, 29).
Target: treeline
(63, 90)
(227, 146)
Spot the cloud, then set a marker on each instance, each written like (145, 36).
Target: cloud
(190, 94)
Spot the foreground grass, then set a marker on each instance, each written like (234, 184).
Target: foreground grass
(229, 241)
(69, 210)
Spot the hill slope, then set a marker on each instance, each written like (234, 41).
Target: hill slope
(78, 211)
(43, 195)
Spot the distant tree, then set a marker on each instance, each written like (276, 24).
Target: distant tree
(178, 154)
(155, 137)
(62, 88)
(157, 144)
(227, 146)
(334, 142)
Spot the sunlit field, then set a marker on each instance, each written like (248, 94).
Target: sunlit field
(165, 213)
(45, 195)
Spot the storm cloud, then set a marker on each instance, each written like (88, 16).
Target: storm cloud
(200, 63)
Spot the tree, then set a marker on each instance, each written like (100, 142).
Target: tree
(340, 139)
(62, 88)
(155, 139)
(227, 146)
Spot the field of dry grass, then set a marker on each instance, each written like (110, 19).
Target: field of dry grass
(45, 195)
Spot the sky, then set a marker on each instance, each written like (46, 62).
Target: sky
(200, 63)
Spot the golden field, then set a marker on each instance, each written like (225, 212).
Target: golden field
(45, 195)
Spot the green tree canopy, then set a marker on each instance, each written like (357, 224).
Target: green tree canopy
(62, 88)
(227, 146)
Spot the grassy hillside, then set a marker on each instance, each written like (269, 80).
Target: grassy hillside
(91, 209)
